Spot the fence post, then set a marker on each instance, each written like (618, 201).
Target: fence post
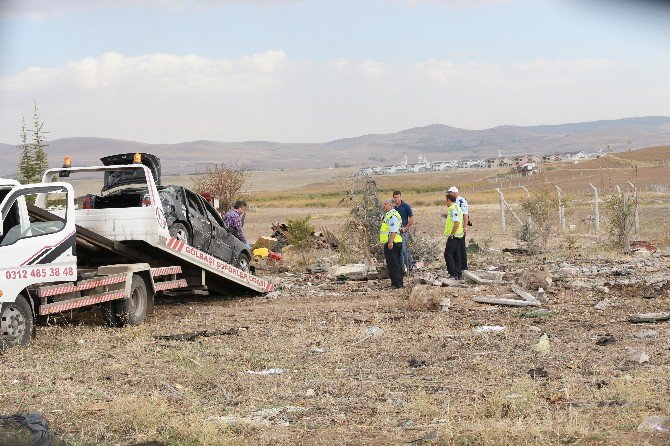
(561, 209)
(527, 196)
(595, 204)
(502, 209)
(636, 208)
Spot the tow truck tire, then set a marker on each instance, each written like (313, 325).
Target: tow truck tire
(180, 232)
(108, 310)
(16, 323)
(243, 262)
(133, 310)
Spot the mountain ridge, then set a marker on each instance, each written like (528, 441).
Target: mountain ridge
(434, 141)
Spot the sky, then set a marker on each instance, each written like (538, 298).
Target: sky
(169, 71)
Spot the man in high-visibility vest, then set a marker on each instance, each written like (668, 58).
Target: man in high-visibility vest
(453, 229)
(389, 236)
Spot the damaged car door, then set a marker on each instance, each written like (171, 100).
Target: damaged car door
(219, 245)
(202, 228)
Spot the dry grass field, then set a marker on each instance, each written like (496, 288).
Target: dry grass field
(326, 362)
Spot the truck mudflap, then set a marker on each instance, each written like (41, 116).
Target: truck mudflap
(214, 265)
(102, 292)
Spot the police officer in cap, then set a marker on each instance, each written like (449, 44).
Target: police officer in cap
(462, 203)
(389, 236)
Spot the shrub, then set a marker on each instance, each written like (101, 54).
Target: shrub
(535, 232)
(620, 221)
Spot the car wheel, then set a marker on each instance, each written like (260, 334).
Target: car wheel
(243, 262)
(16, 323)
(180, 232)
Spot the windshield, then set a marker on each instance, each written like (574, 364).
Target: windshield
(116, 178)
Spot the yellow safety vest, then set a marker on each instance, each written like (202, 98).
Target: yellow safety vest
(384, 230)
(449, 224)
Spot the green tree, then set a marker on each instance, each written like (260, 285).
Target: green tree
(33, 161)
(25, 172)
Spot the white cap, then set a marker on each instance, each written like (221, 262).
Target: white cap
(453, 189)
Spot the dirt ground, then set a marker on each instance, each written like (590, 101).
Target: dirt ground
(324, 361)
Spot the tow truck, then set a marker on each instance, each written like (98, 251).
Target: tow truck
(57, 256)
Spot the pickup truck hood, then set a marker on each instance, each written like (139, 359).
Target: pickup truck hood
(130, 176)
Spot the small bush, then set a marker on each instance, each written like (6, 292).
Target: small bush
(300, 232)
(535, 233)
(621, 219)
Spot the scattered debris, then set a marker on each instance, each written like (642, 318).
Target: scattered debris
(533, 278)
(538, 372)
(191, 336)
(604, 305)
(173, 390)
(352, 271)
(524, 294)
(265, 242)
(476, 279)
(650, 317)
(542, 345)
(274, 371)
(517, 251)
(636, 355)
(13, 429)
(261, 252)
(424, 297)
(490, 329)
(323, 238)
(430, 437)
(502, 301)
(373, 331)
(646, 334)
(655, 423)
(416, 363)
(606, 340)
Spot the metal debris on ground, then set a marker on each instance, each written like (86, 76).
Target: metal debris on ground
(490, 329)
(538, 372)
(655, 423)
(606, 340)
(416, 363)
(494, 300)
(29, 429)
(273, 371)
(650, 318)
(191, 336)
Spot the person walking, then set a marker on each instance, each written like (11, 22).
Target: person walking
(233, 220)
(389, 236)
(462, 203)
(407, 220)
(453, 229)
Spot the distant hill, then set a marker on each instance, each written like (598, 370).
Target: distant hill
(435, 142)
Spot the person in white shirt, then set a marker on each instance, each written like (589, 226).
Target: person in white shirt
(462, 203)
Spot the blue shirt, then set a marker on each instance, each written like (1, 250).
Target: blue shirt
(405, 212)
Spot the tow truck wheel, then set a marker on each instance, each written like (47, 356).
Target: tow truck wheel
(180, 232)
(16, 323)
(133, 310)
(243, 262)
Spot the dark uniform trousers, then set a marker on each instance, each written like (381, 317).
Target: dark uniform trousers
(464, 254)
(393, 263)
(452, 256)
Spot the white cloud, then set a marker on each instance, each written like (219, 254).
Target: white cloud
(167, 72)
(169, 98)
